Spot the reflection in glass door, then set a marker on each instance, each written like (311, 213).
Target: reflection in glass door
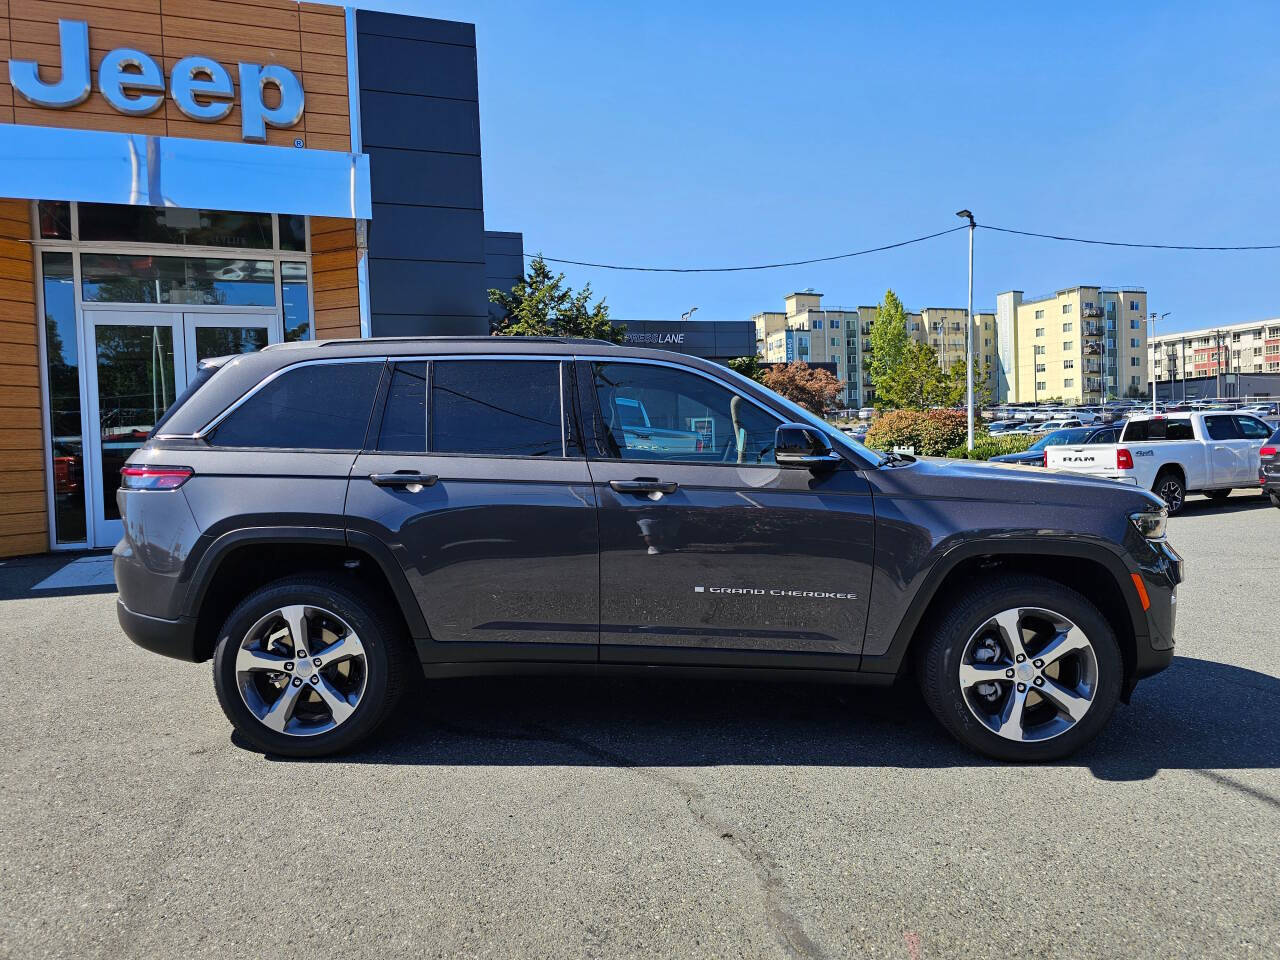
(134, 378)
(142, 361)
(218, 335)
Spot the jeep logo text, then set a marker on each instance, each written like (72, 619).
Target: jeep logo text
(133, 83)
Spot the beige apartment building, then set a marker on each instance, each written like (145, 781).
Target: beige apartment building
(806, 330)
(1235, 348)
(811, 333)
(1082, 344)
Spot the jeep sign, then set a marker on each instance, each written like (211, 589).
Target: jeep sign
(133, 83)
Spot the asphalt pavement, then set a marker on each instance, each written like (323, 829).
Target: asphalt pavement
(643, 818)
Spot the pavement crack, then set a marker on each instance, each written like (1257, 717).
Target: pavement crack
(780, 919)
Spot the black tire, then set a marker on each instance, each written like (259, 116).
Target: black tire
(1172, 489)
(939, 658)
(1217, 496)
(1275, 499)
(387, 659)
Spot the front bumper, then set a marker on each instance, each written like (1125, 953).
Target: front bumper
(172, 638)
(1161, 572)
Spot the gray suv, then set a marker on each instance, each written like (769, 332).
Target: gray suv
(321, 519)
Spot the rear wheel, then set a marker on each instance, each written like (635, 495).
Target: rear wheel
(1217, 496)
(1170, 488)
(307, 667)
(1023, 669)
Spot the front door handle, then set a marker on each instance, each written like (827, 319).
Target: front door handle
(403, 478)
(644, 485)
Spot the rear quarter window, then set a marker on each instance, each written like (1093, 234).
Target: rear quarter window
(316, 406)
(1139, 431)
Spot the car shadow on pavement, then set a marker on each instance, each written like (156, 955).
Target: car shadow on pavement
(1196, 505)
(1196, 715)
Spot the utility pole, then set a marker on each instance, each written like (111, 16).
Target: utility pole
(1152, 347)
(968, 334)
(1217, 360)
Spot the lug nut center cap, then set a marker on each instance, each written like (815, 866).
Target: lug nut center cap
(1025, 671)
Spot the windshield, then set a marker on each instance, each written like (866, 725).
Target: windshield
(1074, 435)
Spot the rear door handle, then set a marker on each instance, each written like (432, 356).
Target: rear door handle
(403, 478)
(644, 485)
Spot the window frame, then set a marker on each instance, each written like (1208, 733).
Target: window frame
(587, 394)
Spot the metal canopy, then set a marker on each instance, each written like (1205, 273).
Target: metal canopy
(51, 163)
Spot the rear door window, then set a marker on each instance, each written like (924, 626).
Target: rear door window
(315, 406)
(497, 408)
(404, 417)
(1151, 430)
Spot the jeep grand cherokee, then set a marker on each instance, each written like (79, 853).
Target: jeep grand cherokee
(319, 519)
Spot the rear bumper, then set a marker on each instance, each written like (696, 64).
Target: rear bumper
(171, 638)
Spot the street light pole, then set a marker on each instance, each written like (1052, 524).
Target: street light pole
(968, 334)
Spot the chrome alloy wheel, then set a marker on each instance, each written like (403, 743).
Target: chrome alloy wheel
(301, 670)
(1028, 674)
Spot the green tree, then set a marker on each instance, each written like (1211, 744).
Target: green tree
(957, 390)
(918, 382)
(543, 305)
(749, 367)
(890, 343)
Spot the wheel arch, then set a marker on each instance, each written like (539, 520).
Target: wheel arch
(238, 561)
(1096, 572)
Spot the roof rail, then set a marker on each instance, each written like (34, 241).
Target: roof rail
(468, 339)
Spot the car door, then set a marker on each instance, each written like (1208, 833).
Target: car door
(709, 552)
(475, 480)
(1254, 434)
(1227, 449)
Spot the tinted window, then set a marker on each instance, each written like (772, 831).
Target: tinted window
(404, 419)
(320, 406)
(1104, 436)
(1221, 428)
(502, 408)
(1252, 429)
(689, 417)
(1140, 430)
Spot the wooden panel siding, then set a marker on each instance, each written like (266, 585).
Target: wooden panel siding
(24, 521)
(334, 278)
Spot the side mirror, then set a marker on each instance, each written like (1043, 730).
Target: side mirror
(798, 445)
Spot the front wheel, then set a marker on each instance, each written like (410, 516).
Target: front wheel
(1023, 669)
(307, 666)
(1170, 488)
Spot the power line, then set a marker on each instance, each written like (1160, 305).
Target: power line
(1119, 243)
(760, 266)
(905, 243)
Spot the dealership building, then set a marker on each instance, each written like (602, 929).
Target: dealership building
(185, 180)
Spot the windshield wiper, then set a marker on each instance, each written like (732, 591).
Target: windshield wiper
(893, 457)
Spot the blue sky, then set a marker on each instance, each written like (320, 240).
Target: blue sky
(691, 134)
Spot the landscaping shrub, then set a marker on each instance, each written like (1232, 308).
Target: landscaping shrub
(986, 447)
(931, 433)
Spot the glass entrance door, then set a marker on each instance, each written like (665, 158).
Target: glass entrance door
(142, 362)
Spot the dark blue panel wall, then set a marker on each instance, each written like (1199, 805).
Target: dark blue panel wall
(503, 264)
(420, 126)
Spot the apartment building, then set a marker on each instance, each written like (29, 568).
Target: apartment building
(811, 333)
(806, 330)
(943, 329)
(1252, 347)
(1081, 344)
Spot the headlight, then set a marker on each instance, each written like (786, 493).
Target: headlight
(1151, 523)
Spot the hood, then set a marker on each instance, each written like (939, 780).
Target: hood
(1015, 483)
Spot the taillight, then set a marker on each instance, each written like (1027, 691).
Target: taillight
(1044, 461)
(1124, 459)
(1269, 451)
(154, 478)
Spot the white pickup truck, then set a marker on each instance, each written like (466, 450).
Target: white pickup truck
(1174, 455)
